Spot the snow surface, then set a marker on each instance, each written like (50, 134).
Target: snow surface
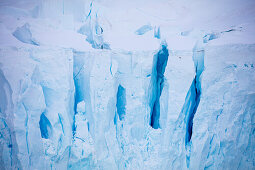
(107, 84)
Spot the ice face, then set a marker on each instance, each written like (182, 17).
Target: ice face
(104, 85)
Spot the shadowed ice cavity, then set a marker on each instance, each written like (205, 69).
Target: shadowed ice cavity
(81, 76)
(121, 102)
(193, 96)
(45, 127)
(192, 99)
(159, 65)
(157, 32)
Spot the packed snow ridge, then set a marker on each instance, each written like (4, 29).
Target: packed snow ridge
(127, 85)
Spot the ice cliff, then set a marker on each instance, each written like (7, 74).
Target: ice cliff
(127, 84)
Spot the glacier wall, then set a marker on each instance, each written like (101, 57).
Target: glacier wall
(99, 85)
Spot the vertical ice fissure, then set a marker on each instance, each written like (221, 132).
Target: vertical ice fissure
(121, 102)
(192, 99)
(75, 107)
(77, 96)
(195, 92)
(45, 126)
(160, 62)
(120, 113)
(82, 67)
(61, 122)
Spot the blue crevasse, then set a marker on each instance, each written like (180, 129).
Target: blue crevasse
(45, 127)
(157, 33)
(121, 102)
(193, 96)
(160, 62)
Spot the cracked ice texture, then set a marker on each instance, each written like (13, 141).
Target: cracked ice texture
(77, 84)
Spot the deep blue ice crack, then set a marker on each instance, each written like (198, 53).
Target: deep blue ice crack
(160, 62)
(121, 102)
(192, 99)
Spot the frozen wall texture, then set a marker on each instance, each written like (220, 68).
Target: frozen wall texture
(107, 84)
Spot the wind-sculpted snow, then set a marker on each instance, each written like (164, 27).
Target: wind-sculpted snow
(127, 85)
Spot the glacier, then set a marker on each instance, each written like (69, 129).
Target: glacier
(148, 84)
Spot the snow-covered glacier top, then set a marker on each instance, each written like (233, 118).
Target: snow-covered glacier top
(127, 84)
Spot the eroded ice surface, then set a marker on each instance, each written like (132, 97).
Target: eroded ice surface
(158, 84)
